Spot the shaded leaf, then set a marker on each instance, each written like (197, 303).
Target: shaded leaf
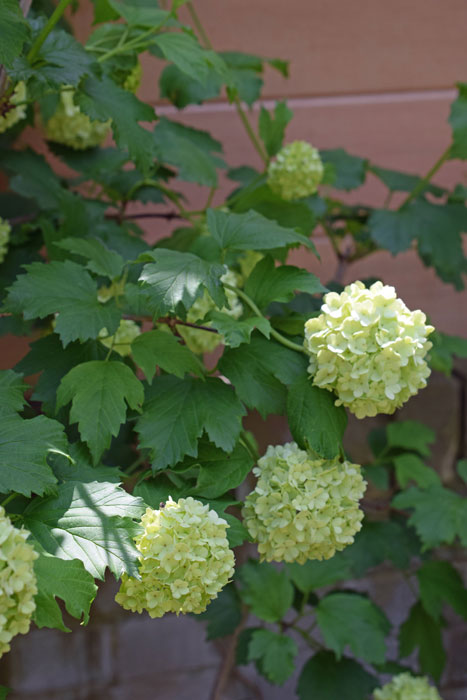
(266, 590)
(160, 349)
(327, 678)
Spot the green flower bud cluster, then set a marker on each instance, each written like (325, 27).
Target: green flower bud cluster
(17, 582)
(369, 348)
(406, 687)
(124, 336)
(200, 341)
(14, 111)
(5, 230)
(132, 80)
(247, 261)
(184, 562)
(296, 172)
(303, 507)
(71, 127)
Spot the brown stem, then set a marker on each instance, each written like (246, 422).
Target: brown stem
(176, 322)
(228, 662)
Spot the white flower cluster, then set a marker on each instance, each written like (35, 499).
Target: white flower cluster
(302, 507)
(296, 172)
(185, 560)
(71, 127)
(407, 687)
(5, 230)
(200, 341)
(17, 582)
(15, 109)
(124, 336)
(368, 348)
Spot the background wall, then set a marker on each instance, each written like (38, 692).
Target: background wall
(376, 78)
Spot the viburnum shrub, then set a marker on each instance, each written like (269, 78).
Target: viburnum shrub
(123, 441)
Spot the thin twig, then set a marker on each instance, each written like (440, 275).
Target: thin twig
(228, 662)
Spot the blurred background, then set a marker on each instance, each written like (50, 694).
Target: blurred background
(377, 79)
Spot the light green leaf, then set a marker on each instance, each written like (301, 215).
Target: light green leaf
(140, 16)
(176, 279)
(101, 260)
(325, 678)
(274, 653)
(251, 230)
(13, 31)
(92, 522)
(410, 467)
(313, 418)
(12, 389)
(349, 171)
(67, 580)
(421, 631)
(269, 283)
(235, 331)
(98, 391)
(272, 127)
(178, 413)
(440, 583)
(67, 289)
(410, 435)
(160, 349)
(365, 628)
(24, 446)
(185, 52)
(266, 590)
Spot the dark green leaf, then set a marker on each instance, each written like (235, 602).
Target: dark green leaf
(223, 614)
(445, 348)
(439, 582)
(181, 410)
(274, 653)
(393, 230)
(98, 391)
(365, 628)
(268, 283)
(272, 128)
(313, 418)
(315, 574)
(266, 590)
(236, 332)
(184, 51)
(64, 579)
(102, 261)
(410, 467)
(458, 122)
(410, 435)
(81, 467)
(182, 90)
(462, 469)
(67, 289)
(325, 678)
(402, 182)
(13, 31)
(421, 631)
(160, 349)
(219, 472)
(34, 178)
(12, 389)
(378, 542)
(24, 446)
(140, 15)
(91, 522)
(350, 171)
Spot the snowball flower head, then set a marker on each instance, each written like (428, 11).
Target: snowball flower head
(123, 338)
(184, 561)
(296, 172)
(12, 111)
(200, 341)
(17, 582)
(71, 127)
(303, 507)
(5, 230)
(368, 348)
(406, 687)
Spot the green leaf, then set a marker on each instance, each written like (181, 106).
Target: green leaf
(393, 230)
(421, 631)
(439, 516)
(177, 279)
(458, 122)
(98, 99)
(439, 582)
(274, 653)
(67, 289)
(237, 533)
(272, 128)
(223, 614)
(178, 413)
(67, 580)
(314, 421)
(259, 371)
(13, 31)
(410, 435)
(190, 150)
(219, 472)
(160, 349)
(251, 230)
(98, 391)
(90, 522)
(24, 446)
(365, 628)
(445, 348)
(101, 260)
(234, 331)
(410, 467)
(316, 574)
(34, 179)
(325, 678)
(182, 90)
(402, 182)
(266, 590)
(140, 16)
(81, 468)
(185, 52)
(269, 283)
(378, 542)
(12, 389)
(350, 171)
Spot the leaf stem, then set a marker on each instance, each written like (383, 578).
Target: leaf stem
(8, 499)
(245, 438)
(275, 334)
(424, 182)
(53, 19)
(199, 27)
